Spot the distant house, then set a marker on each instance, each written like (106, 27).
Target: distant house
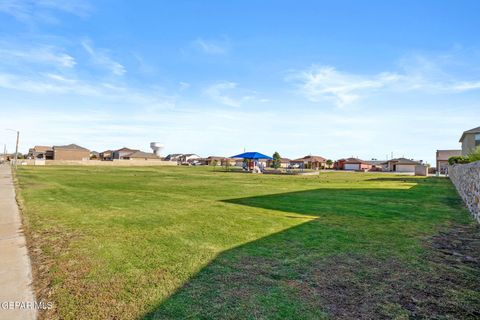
(40, 152)
(353, 164)
(140, 155)
(94, 155)
(173, 157)
(133, 154)
(470, 139)
(310, 162)
(183, 157)
(189, 158)
(402, 165)
(442, 159)
(377, 165)
(284, 163)
(106, 155)
(68, 152)
(123, 153)
(214, 160)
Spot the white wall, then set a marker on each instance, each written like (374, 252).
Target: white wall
(352, 166)
(405, 168)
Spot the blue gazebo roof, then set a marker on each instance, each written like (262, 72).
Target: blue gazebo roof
(252, 155)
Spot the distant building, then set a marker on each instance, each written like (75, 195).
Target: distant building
(68, 152)
(130, 154)
(184, 157)
(189, 158)
(123, 153)
(402, 165)
(470, 139)
(284, 163)
(442, 159)
(40, 152)
(310, 162)
(173, 157)
(353, 164)
(106, 155)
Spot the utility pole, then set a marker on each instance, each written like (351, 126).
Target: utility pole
(16, 146)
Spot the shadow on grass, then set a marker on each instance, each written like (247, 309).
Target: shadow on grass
(360, 256)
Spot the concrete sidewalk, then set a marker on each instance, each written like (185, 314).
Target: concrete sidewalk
(15, 270)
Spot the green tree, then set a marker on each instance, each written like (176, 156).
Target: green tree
(474, 155)
(276, 160)
(329, 163)
(214, 164)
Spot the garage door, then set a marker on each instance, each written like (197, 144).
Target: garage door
(352, 166)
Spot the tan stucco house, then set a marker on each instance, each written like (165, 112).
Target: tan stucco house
(69, 152)
(442, 159)
(402, 165)
(469, 140)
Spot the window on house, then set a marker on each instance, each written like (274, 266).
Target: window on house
(477, 139)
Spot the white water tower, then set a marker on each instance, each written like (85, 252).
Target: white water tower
(157, 148)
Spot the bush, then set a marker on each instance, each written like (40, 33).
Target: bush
(458, 159)
(474, 155)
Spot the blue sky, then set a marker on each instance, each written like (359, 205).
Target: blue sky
(336, 78)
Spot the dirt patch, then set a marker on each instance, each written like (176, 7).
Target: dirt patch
(447, 285)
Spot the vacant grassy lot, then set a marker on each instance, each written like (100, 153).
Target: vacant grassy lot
(176, 243)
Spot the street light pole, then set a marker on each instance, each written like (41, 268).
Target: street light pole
(16, 146)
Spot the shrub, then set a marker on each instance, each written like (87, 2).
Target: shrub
(458, 159)
(474, 155)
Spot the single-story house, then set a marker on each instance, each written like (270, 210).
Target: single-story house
(173, 157)
(402, 165)
(284, 163)
(310, 162)
(133, 154)
(442, 157)
(470, 139)
(189, 158)
(214, 160)
(40, 152)
(140, 155)
(354, 164)
(377, 165)
(106, 155)
(123, 153)
(68, 152)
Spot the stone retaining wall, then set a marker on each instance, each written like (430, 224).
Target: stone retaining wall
(466, 178)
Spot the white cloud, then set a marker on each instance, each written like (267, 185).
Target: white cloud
(228, 93)
(319, 83)
(324, 82)
(41, 10)
(42, 55)
(101, 58)
(211, 47)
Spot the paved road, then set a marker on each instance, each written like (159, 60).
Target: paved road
(15, 270)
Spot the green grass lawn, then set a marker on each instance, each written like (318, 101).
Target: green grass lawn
(176, 243)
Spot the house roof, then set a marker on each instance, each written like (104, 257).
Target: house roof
(310, 159)
(41, 148)
(376, 162)
(141, 154)
(72, 146)
(126, 149)
(404, 161)
(355, 161)
(474, 130)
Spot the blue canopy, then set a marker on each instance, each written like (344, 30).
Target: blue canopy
(252, 155)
